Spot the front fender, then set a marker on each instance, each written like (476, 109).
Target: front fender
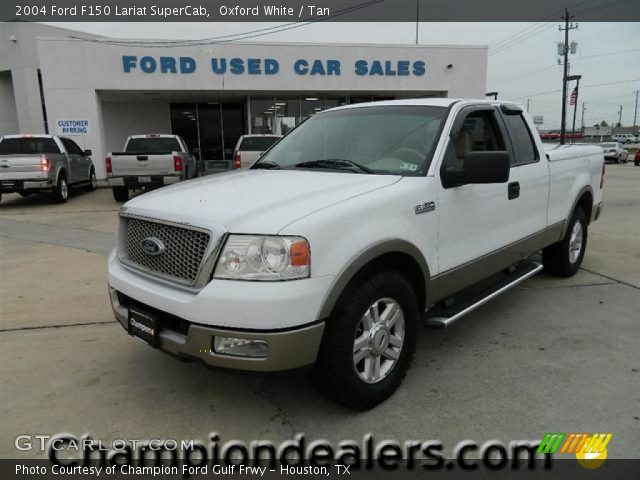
(348, 272)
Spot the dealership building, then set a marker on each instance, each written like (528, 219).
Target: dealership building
(100, 90)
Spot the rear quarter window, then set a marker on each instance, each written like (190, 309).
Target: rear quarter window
(28, 145)
(522, 140)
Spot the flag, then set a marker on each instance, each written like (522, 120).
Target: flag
(574, 96)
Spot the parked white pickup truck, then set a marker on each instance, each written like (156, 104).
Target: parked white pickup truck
(148, 162)
(359, 224)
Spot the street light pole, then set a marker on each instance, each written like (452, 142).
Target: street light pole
(582, 121)
(635, 114)
(563, 124)
(620, 116)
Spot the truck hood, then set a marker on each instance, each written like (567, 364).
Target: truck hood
(254, 201)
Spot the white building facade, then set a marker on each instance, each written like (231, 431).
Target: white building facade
(99, 91)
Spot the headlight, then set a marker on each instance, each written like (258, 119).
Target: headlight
(263, 257)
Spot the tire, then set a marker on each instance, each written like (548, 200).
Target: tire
(337, 373)
(564, 258)
(636, 163)
(25, 193)
(93, 182)
(61, 190)
(121, 194)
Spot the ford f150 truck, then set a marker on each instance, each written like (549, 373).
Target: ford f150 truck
(148, 162)
(44, 163)
(359, 224)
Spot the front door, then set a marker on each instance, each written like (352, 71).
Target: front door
(78, 163)
(477, 222)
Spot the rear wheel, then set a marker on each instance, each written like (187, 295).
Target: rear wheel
(565, 257)
(369, 342)
(25, 193)
(61, 190)
(121, 194)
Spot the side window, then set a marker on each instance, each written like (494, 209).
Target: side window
(479, 133)
(522, 140)
(71, 146)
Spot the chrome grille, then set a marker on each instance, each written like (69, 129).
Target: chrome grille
(182, 256)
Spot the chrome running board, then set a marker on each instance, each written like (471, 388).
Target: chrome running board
(459, 310)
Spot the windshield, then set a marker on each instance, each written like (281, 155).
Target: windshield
(608, 145)
(153, 145)
(392, 140)
(28, 145)
(257, 144)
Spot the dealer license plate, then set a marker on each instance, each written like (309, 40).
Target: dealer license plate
(143, 326)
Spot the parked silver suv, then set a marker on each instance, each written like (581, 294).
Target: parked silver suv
(34, 163)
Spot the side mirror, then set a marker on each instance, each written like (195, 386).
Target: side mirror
(87, 153)
(479, 167)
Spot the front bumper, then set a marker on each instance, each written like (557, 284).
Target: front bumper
(132, 181)
(287, 349)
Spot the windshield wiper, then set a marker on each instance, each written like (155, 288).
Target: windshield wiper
(334, 163)
(266, 165)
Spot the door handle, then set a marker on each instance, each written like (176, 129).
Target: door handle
(514, 190)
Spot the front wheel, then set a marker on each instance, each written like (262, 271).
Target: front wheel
(368, 342)
(565, 257)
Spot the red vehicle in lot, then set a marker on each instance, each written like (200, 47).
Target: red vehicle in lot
(636, 159)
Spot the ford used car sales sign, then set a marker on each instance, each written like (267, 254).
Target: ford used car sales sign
(271, 66)
(73, 126)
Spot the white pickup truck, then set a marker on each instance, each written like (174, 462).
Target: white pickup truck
(358, 225)
(148, 162)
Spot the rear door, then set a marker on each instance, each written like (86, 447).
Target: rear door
(477, 222)
(529, 178)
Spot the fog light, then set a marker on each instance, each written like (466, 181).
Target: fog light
(240, 347)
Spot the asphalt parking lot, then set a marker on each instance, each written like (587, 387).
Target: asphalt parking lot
(549, 356)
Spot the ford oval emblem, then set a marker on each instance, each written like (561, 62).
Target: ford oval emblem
(153, 246)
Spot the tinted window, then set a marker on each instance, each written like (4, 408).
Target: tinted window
(71, 146)
(32, 145)
(525, 150)
(257, 144)
(153, 145)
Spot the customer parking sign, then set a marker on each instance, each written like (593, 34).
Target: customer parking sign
(73, 126)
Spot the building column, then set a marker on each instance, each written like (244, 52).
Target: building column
(28, 104)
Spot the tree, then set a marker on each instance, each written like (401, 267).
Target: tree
(603, 123)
